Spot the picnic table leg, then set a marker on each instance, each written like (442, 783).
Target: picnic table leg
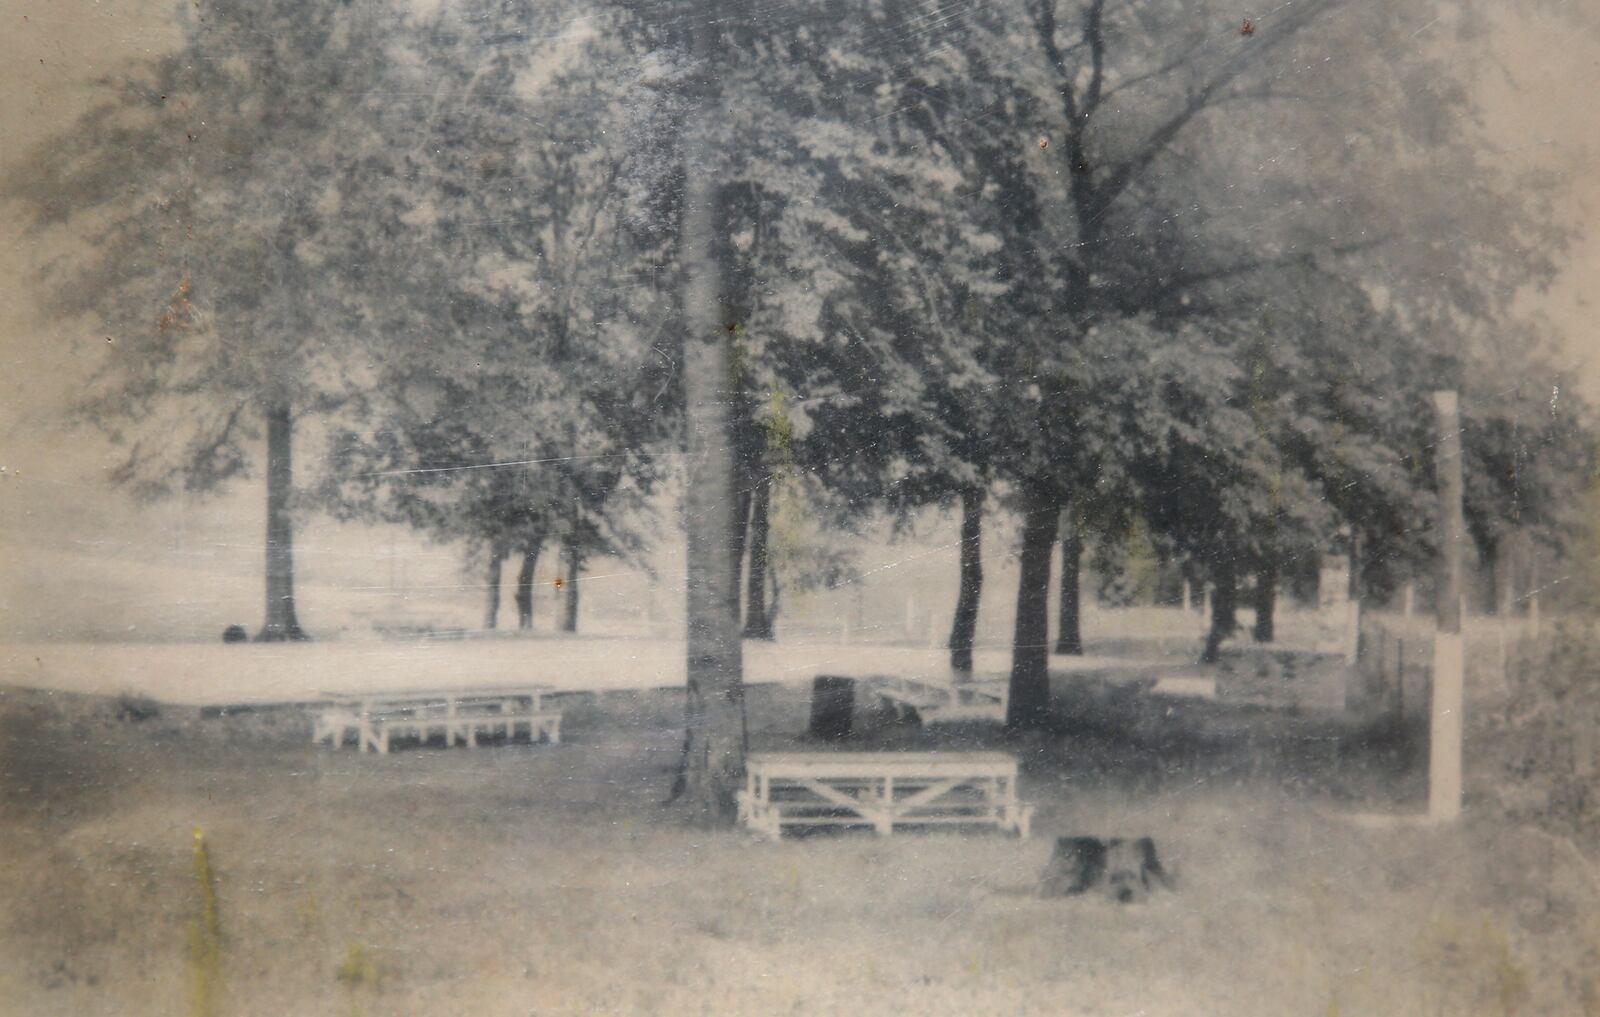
(883, 821)
(747, 800)
(1018, 817)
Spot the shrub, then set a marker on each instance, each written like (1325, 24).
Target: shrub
(1538, 748)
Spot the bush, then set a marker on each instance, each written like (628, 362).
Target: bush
(1538, 749)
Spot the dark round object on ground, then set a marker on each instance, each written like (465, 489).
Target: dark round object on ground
(833, 703)
(235, 634)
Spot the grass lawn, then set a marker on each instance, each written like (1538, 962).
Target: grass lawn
(550, 880)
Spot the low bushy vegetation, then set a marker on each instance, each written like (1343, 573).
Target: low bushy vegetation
(1539, 745)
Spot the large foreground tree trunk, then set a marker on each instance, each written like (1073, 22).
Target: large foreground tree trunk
(281, 623)
(757, 618)
(1029, 704)
(525, 579)
(965, 625)
(1266, 601)
(711, 770)
(1224, 607)
(574, 556)
(491, 607)
(1069, 629)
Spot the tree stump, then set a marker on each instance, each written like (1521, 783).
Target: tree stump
(833, 704)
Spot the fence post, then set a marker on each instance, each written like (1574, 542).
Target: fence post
(1445, 720)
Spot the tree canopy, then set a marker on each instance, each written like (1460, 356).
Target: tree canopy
(1171, 271)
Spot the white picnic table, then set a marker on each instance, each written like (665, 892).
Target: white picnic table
(882, 790)
(943, 702)
(458, 715)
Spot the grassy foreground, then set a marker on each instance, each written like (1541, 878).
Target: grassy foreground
(549, 880)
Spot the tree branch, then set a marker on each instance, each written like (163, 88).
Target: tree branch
(1094, 33)
(1151, 75)
(1199, 101)
(1253, 265)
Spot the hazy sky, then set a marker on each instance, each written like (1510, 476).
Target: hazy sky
(52, 492)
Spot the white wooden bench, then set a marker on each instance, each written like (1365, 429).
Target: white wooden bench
(881, 790)
(943, 703)
(459, 716)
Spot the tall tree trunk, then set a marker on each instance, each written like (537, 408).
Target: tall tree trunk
(574, 555)
(1505, 574)
(1358, 590)
(1266, 599)
(1029, 703)
(281, 623)
(525, 577)
(1224, 607)
(742, 500)
(965, 625)
(1069, 627)
(775, 602)
(491, 608)
(757, 620)
(1356, 587)
(711, 770)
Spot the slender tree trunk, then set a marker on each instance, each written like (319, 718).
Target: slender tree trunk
(525, 575)
(775, 602)
(491, 609)
(1505, 574)
(1266, 599)
(281, 623)
(1224, 607)
(574, 556)
(1029, 705)
(715, 734)
(965, 625)
(1358, 590)
(757, 620)
(1069, 627)
(742, 500)
(1356, 587)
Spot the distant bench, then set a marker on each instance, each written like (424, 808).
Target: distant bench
(882, 790)
(942, 703)
(458, 716)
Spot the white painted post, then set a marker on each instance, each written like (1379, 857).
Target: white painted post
(1409, 600)
(1188, 597)
(1449, 665)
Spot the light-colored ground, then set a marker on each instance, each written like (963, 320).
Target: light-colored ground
(217, 674)
(549, 880)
